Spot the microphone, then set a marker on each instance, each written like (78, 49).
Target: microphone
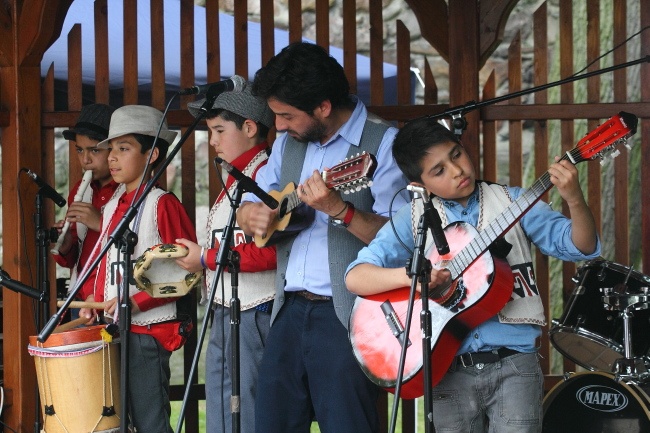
(432, 219)
(48, 191)
(247, 183)
(232, 84)
(18, 287)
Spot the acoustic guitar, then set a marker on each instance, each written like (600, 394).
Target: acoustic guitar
(349, 176)
(480, 285)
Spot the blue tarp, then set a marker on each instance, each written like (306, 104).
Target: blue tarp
(81, 11)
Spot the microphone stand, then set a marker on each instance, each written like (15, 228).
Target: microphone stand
(43, 283)
(235, 321)
(125, 245)
(459, 123)
(225, 257)
(119, 233)
(418, 268)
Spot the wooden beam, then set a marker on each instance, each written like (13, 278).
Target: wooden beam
(432, 15)
(516, 112)
(40, 23)
(464, 67)
(493, 18)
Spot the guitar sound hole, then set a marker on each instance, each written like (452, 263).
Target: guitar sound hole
(450, 296)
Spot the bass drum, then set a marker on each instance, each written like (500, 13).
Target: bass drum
(596, 402)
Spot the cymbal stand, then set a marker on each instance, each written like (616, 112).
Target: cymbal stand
(619, 298)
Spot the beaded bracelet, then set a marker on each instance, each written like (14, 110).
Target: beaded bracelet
(202, 258)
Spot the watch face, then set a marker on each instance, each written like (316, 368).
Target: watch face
(338, 223)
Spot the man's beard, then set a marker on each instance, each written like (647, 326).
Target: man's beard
(315, 133)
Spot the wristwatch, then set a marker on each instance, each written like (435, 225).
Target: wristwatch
(347, 218)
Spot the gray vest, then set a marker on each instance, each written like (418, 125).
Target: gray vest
(342, 246)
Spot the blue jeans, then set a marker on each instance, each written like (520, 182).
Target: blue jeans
(501, 397)
(308, 370)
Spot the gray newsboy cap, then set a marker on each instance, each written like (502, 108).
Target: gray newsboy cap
(94, 121)
(242, 103)
(138, 119)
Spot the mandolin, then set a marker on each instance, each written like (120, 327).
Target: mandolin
(349, 176)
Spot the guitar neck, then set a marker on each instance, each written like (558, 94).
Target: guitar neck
(289, 203)
(499, 226)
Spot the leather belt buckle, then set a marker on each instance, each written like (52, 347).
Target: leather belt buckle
(479, 359)
(470, 361)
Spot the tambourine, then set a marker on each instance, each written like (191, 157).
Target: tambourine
(157, 273)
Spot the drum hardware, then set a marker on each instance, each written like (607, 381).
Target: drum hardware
(630, 367)
(618, 298)
(594, 331)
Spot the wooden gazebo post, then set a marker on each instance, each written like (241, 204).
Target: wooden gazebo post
(465, 33)
(27, 29)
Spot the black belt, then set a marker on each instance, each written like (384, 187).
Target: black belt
(470, 359)
(312, 296)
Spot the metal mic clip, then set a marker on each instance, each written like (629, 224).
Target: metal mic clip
(419, 192)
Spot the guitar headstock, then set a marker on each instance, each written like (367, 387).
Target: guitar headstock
(602, 141)
(352, 174)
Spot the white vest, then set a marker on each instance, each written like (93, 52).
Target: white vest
(148, 235)
(525, 305)
(254, 287)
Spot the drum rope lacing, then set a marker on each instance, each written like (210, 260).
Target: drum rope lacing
(44, 353)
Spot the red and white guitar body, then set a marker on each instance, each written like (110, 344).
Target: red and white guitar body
(479, 294)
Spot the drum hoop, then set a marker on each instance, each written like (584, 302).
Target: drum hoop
(588, 334)
(50, 353)
(618, 268)
(71, 338)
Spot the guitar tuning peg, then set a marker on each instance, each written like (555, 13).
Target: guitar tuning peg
(615, 153)
(369, 183)
(346, 192)
(627, 145)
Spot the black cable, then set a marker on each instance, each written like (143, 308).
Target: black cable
(612, 50)
(392, 223)
(5, 425)
(143, 178)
